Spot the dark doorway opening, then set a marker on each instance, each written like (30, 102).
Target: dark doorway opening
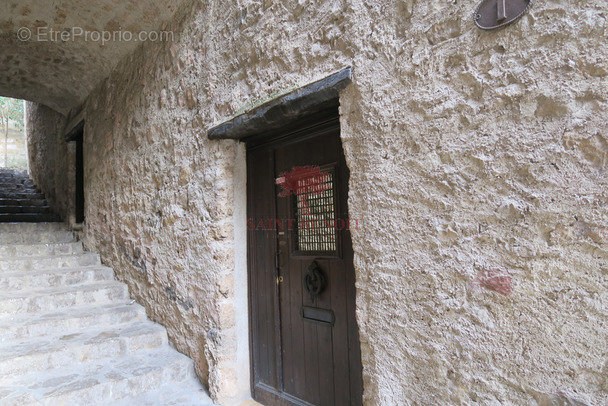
(77, 135)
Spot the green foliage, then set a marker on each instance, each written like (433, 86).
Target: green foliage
(16, 162)
(12, 109)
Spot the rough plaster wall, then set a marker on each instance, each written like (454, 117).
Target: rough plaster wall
(478, 164)
(49, 156)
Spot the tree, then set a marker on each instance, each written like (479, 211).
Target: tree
(10, 110)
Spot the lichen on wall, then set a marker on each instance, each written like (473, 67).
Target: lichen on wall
(478, 178)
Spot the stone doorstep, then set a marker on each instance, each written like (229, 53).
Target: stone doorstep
(24, 325)
(47, 278)
(70, 347)
(250, 402)
(29, 300)
(178, 395)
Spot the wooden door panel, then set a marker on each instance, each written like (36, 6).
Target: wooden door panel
(299, 360)
(262, 247)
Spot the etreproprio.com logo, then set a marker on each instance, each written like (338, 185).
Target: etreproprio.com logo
(48, 34)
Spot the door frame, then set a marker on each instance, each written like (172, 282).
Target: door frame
(76, 135)
(264, 117)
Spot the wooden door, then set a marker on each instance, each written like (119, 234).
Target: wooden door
(304, 336)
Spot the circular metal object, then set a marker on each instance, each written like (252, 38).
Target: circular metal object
(492, 14)
(314, 280)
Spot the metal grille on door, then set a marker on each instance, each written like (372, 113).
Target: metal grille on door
(315, 214)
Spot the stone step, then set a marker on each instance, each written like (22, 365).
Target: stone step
(9, 175)
(15, 180)
(13, 172)
(35, 238)
(71, 335)
(25, 209)
(27, 218)
(28, 325)
(72, 347)
(100, 382)
(43, 249)
(18, 264)
(31, 300)
(7, 184)
(19, 189)
(20, 195)
(22, 202)
(32, 228)
(15, 281)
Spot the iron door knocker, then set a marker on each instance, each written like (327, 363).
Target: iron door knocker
(314, 280)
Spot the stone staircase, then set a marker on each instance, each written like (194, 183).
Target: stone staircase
(70, 334)
(20, 200)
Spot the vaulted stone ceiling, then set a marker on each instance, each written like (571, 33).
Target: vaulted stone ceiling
(53, 51)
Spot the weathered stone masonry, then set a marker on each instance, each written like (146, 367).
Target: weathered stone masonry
(478, 175)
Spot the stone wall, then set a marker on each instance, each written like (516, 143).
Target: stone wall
(478, 176)
(51, 159)
(159, 199)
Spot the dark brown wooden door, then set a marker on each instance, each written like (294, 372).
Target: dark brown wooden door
(304, 336)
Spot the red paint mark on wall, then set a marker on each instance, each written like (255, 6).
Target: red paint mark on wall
(495, 280)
